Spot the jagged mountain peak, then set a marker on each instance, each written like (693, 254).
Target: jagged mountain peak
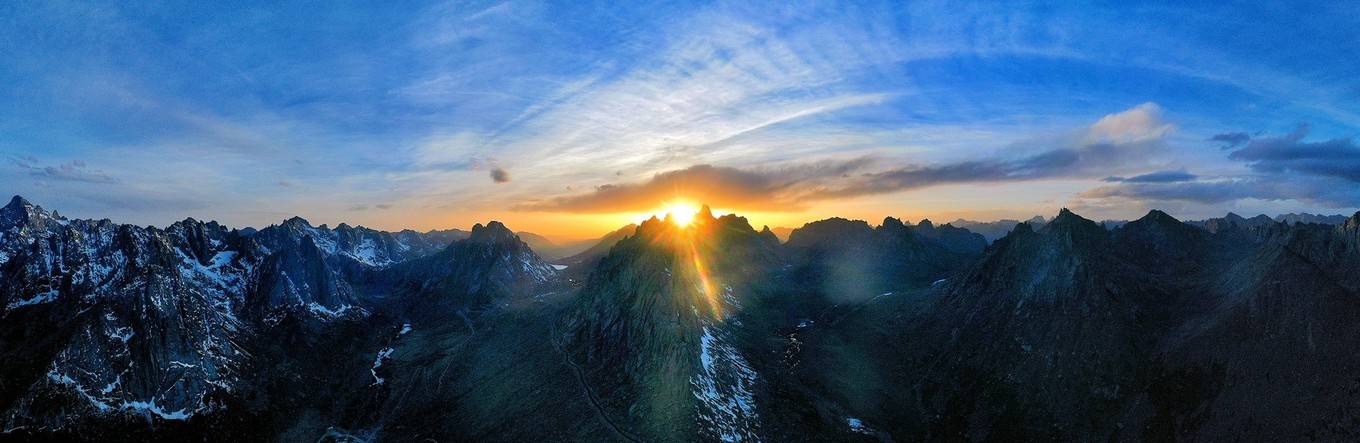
(1021, 229)
(1293, 218)
(17, 206)
(14, 213)
(1068, 221)
(17, 202)
(835, 229)
(20, 212)
(1158, 241)
(734, 221)
(652, 226)
(1156, 220)
(892, 222)
(492, 232)
(705, 214)
(1352, 223)
(1159, 217)
(296, 221)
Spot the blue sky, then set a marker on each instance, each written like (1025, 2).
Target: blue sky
(587, 114)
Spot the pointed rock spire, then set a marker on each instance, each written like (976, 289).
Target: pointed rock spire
(705, 214)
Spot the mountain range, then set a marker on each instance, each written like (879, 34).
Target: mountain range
(1067, 329)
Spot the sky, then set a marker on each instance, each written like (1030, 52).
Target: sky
(570, 119)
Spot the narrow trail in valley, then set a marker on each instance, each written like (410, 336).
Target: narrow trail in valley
(585, 386)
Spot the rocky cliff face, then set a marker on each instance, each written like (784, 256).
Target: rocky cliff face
(100, 320)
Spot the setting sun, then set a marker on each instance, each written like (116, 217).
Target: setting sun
(682, 214)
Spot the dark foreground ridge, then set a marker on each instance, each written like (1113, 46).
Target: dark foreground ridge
(1229, 329)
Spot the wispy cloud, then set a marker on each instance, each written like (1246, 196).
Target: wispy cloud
(1123, 140)
(1155, 177)
(74, 170)
(720, 78)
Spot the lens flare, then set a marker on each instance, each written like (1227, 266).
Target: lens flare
(705, 282)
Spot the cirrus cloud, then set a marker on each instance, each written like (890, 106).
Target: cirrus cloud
(1123, 140)
(1117, 141)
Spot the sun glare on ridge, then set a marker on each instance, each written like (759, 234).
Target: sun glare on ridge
(681, 213)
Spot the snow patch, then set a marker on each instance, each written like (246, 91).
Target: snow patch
(318, 309)
(367, 253)
(111, 386)
(384, 354)
(122, 334)
(63, 379)
(150, 408)
(724, 389)
(216, 272)
(46, 297)
(729, 297)
(858, 426)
